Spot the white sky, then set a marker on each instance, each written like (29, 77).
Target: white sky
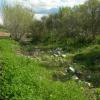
(44, 5)
(47, 4)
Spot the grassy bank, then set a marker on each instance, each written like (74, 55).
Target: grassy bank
(23, 78)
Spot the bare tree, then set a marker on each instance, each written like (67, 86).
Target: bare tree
(17, 20)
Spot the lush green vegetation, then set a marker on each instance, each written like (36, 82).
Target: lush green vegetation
(24, 78)
(2, 28)
(55, 58)
(81, 23)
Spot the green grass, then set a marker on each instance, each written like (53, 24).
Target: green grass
(89, 59)
(25, 79)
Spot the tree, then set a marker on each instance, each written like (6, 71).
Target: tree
(17, 20)
(37, 30)
(93, 6)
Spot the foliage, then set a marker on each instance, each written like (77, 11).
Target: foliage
(2, 28)
(98, 93)
(17, 20)
(75, 30)
(24, 78)
(90, 57)
(80, 22)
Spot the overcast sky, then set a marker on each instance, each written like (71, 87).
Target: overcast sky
(43, 7)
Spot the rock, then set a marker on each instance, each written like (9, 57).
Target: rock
(88, 84)
(75, 77)
(88, 76)
(55, 55)
(72, 69)
(63, 56)
(66, 70)
(59, 53)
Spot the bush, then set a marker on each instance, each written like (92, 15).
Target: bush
(90, 57)
(98, 39)
(98, 93)
(25, 79)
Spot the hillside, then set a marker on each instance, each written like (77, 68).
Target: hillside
(23, 78)
(50, 50)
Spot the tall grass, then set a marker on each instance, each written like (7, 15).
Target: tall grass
(25, 79)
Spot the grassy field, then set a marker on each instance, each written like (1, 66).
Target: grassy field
(23, 78)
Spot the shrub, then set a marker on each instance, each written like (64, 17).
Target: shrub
(89, 57)
(25, 79)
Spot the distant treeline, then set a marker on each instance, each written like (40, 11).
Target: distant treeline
(82, 21)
